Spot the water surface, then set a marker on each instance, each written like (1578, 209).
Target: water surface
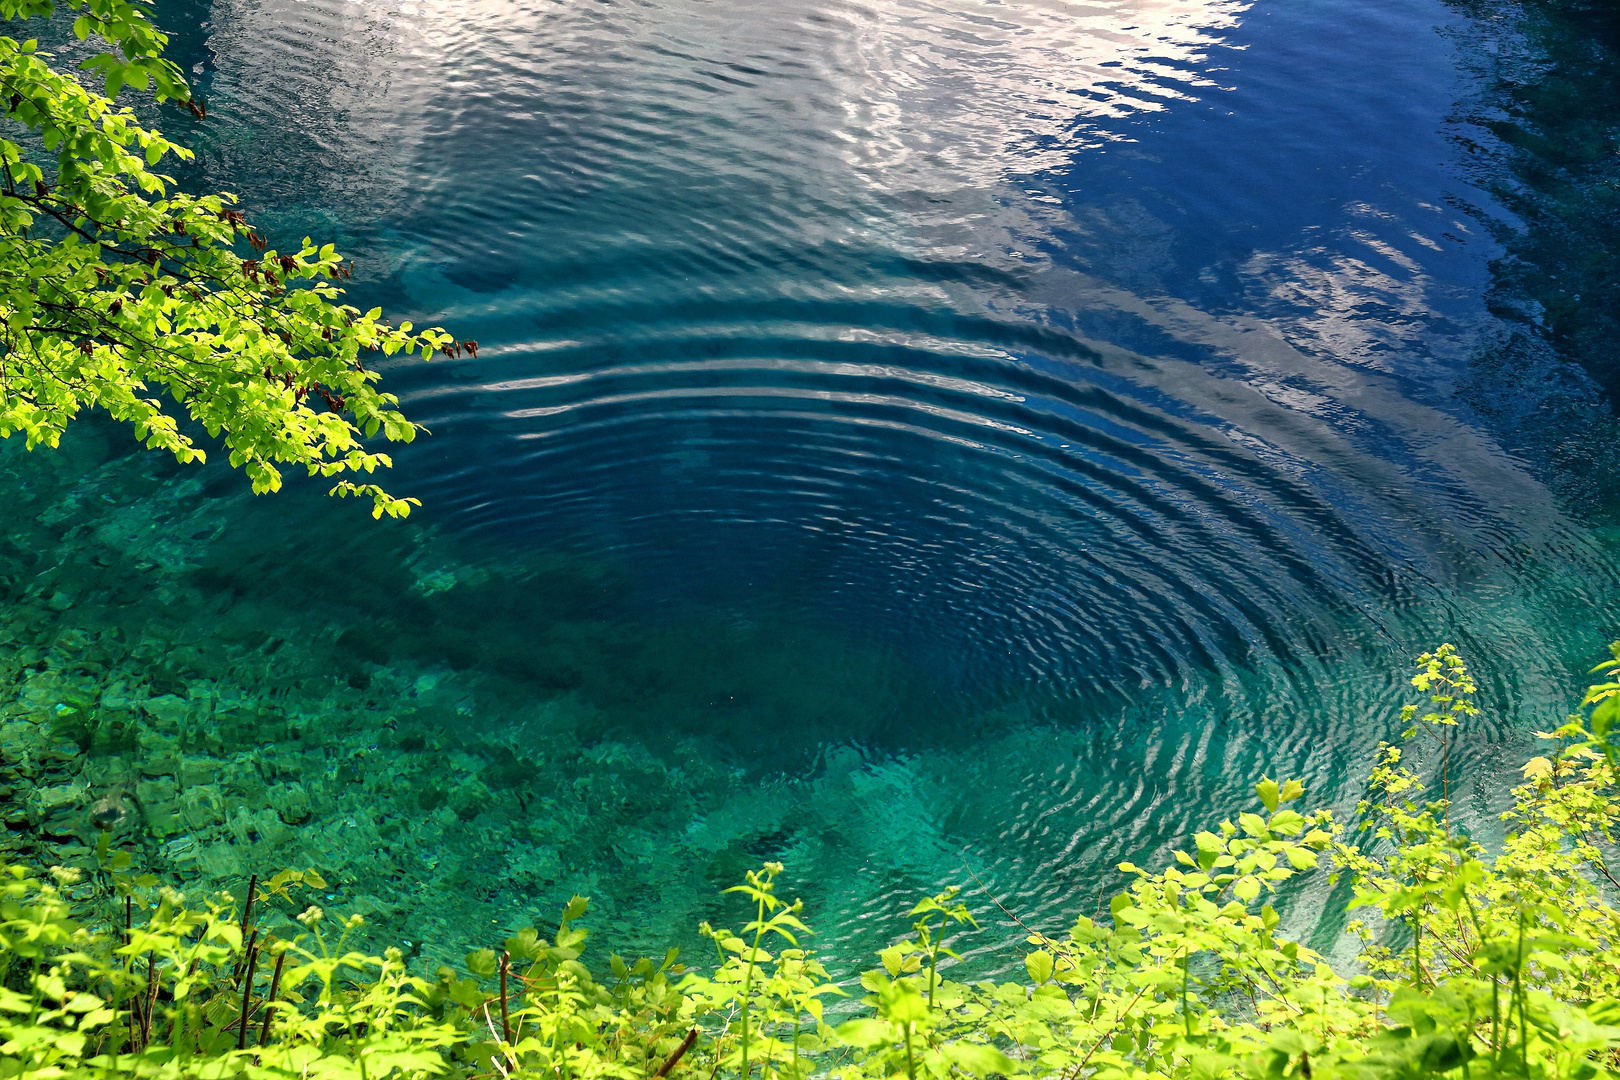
(907, 439)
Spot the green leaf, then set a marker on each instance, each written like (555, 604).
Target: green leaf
(466, 993)
(1268, 792)
(525, 944)
(865, 1032)
(1604, 716)
(899, 1003)
(977, 1059)
(1039, 966)
(1300, 858)
(1132, 916)
(482, 963)
(1286, 822)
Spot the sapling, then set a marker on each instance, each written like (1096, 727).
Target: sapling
(932, 941)
(772, 915)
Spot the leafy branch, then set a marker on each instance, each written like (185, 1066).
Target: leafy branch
(119, 293)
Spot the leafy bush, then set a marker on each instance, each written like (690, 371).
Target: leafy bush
(1471, 964)
(115, 288)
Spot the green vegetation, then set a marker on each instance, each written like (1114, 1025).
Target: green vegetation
(115, 289)
(1471, 964)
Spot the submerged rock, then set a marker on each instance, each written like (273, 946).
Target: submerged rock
(212, 743)
(202, 806)
(109, 813)
(291, 802)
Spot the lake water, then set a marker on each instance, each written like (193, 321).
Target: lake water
(914, 441)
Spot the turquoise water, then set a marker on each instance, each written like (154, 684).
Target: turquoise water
(908, 441)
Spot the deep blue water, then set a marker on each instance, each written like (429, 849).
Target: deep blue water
(904, 435)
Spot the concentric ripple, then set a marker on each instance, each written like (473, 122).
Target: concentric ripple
(1003, 430)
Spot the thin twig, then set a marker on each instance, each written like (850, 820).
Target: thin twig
(275, 987)
(680, 1052)
(1033, 933)
(1110, 1031)
(506, 1022)
(151, 1001)
(247, 991)
(247, 905)
(489, 1022)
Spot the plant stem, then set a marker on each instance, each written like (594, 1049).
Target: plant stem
(748, 979)
(1417, 955)
(680, 1052)
(247, 904)
(933, 957)
(275, 988)
(1518, 992)
(247, 990)
(151, 999)
(1445, 776)
(506, 1023)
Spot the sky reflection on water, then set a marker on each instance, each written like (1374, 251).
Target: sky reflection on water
(995, 430)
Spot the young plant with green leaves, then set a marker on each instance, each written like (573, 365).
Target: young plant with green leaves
(166, 309)
(1473, 965)
(930, 940)
(793, 980)
(187, 991)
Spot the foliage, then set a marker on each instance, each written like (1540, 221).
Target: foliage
(1470, 965)
(116, 289)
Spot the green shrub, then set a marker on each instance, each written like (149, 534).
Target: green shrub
(1470, 964)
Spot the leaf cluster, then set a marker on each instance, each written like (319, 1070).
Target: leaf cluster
(163, 308)
(1472, 964)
